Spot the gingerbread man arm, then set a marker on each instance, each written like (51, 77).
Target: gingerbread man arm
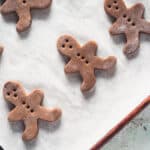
(137, 10)
(16, 114)
(24, 18)
(35, 98)
(89, 49)
(88, 79)
(40, 3)
(31, 129)
(67, 45)
(49, 114)
(115, 7)
(71, 67)
(13, 92)
(145, 28)
(8, 6)
(132, 42)
(104, 63)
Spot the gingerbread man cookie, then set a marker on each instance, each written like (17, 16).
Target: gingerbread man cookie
(22, 8)
(83, 60)
(129, 21)
(28, 108)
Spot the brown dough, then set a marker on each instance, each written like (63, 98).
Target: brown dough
(83, 60)
(22, 8)
(129, 21)
(28, 108)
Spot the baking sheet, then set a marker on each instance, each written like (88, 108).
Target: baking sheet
(134, 136)
(32, 58)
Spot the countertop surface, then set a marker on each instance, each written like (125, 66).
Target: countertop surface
(134, 136)
(33, 59)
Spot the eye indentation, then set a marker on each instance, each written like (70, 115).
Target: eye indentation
(63, 45)
(14, 89)
(133, 24)
(124, 16)
(24, 1)
(67, 40)
(117, 7)
(109, 6)
(8, 93)
(86, 61)
(83, 57)
(115, 2)
(70, 46)
(15, 95)
(78, 54)
(31, 110)
(129, 19)
(28, 107)
(23, 102)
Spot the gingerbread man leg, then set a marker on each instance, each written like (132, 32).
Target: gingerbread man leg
(8, 6)
(49, 114)
(31, 129)
(24, 19)
(132, 43)
(88, 79)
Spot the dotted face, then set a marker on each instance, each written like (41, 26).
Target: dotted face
(113, 5)
(11, 91)
(67, 44)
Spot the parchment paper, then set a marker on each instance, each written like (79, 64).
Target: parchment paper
(32, 58)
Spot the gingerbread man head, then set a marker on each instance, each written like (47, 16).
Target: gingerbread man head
(115, 7)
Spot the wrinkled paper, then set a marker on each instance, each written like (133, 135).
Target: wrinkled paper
(33, 59)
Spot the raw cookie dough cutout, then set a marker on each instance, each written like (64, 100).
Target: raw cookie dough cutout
(129, 21)
(83, 60)
(28, 108)
(23, 10)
